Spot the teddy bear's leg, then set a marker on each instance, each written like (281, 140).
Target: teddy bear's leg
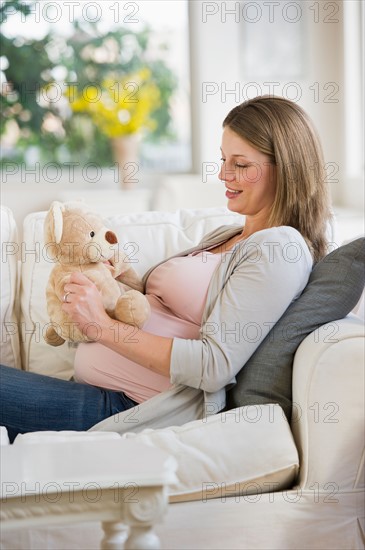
(52, 338)
(132, 308)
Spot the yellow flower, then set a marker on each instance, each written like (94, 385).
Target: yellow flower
(119, 106)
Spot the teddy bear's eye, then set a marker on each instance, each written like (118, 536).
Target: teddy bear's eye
(92, 233)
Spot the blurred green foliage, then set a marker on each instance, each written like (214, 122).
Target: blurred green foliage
(36, 69)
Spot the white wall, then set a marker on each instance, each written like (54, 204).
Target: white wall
(326, 86)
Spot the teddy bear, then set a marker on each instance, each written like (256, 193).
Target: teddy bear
(76, 239)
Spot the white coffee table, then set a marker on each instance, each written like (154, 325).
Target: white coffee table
(119, 482)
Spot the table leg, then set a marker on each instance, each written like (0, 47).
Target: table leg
(148, 507)
(142, 538)
(115, 535)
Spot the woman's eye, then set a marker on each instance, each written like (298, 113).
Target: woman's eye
(241, 165)
(92, 234)
(223, 160)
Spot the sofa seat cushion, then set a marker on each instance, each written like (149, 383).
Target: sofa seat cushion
(249, 450)
(333, 290)
(62, 436)
(9, 334)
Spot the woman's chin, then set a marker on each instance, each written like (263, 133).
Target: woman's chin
(234, 207)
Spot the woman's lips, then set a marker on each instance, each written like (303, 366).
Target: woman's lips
(232, 193)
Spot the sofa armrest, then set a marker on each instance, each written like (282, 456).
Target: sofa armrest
(9, 277)
(328, 406)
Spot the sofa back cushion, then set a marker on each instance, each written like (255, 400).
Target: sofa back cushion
(146, 238)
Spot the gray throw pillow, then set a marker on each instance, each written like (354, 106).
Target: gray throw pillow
(333, 290)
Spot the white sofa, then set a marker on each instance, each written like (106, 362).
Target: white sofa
(319, 502)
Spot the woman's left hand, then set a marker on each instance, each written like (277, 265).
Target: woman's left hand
(84, 305)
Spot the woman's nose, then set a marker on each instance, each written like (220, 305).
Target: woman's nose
(226, 175)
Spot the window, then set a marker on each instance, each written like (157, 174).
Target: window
(75, 74)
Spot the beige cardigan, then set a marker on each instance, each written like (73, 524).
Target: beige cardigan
(249, 291)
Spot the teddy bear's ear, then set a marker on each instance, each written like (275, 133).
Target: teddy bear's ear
(57, 208)
(55, 219)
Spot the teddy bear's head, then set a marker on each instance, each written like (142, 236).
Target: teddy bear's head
(74, 235)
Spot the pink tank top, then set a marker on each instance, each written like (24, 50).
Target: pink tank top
(176, 291)
(179, 288)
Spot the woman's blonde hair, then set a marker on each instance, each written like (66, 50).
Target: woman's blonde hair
(281, 129)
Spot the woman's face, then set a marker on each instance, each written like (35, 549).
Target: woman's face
(248, 175)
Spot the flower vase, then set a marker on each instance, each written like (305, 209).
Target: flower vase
(126, 154)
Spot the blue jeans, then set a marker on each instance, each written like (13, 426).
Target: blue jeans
(32, 402)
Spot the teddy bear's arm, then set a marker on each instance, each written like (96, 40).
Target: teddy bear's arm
(124, 273)
(131, 279)
(59, 286)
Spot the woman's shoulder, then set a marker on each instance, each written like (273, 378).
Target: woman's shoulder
(281, 232)
(283, 242)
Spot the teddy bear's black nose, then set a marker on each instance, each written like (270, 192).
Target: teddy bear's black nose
(111, 237)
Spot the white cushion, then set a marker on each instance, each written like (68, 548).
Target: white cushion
(147, 238)
(9, 334)
(4, 438)
(247, 450)
(63, 436)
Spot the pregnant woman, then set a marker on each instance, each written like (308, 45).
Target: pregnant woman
(205, 302)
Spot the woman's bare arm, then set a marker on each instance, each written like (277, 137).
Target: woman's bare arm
(85, 308)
